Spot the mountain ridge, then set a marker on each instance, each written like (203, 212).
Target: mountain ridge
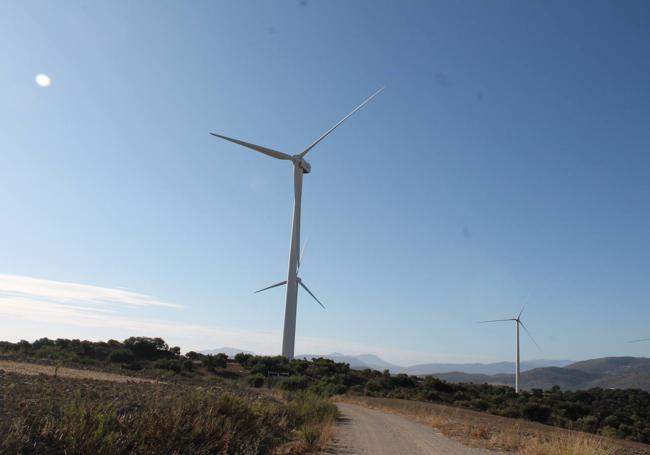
(605, 372)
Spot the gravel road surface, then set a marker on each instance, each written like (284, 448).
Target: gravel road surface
(366, 431)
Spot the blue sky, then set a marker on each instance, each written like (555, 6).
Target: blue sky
(506, 161)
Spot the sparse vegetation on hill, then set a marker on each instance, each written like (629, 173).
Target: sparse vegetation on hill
(621, 413)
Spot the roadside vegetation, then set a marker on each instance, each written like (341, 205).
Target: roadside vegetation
(622, 414)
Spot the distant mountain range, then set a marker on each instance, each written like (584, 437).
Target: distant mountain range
(482, 368)
(606, 372)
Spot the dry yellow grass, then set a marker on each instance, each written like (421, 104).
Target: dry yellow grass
(567, 444)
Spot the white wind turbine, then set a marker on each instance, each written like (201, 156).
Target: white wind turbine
(300, 167)
(518, 322)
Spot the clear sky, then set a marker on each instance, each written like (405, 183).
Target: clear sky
(506, 161)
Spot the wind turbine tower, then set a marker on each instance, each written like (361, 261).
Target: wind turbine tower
(300, 167)
(518, 322)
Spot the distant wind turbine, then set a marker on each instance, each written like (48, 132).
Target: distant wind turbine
(518, 322)
(300, 167)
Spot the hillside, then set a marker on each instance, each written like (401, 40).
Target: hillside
(607, 373)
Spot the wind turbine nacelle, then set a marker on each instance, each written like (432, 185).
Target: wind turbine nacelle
(304, 165)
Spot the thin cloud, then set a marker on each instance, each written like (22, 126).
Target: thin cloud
(55, 309)
(73, 293)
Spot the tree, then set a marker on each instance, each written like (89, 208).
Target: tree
(120, 356)
(148, 348)
(536, 412)
(193, 355)
(214, 361)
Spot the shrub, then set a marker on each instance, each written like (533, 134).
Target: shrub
(169, 364)
(256, 380)
(121, 356)
(242, 358)
(307, 407)
(293, 383)
(192, 355)
(536, 412)
(310, 436)
(214, 361)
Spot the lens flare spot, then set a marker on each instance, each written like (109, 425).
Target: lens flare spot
(43, 80)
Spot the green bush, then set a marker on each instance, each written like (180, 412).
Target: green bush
(310, 436)
(169, 364)
(536, 412)
(307, 407)
(214, 361)
(293, 383)
(256, 380)
(121, 356)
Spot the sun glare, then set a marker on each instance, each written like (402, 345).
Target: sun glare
(43, 80)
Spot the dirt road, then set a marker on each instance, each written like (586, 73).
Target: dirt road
(366, 431)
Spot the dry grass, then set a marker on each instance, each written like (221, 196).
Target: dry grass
(42, 414)
(499, 433)
(567, 444)
(315, 417)
(63, 372)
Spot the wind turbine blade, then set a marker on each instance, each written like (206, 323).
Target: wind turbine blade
(341, 121)
(639, 341)
(302, 252)
(496, 320)
(281, 283)
(531, 337)
(258, 148)
(522, 310)
(310, 293)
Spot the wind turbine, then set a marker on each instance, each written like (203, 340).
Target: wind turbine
(518, 322)
(300, 167)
